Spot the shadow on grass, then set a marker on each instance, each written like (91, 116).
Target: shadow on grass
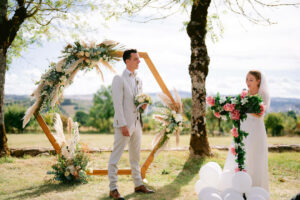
(171, 191)
(34, 192)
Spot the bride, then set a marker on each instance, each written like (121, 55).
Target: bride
(256, 145)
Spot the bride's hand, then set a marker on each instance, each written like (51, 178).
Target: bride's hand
(256, 115)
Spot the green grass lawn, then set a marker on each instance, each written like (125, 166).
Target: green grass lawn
(26, 178)
(106, 140)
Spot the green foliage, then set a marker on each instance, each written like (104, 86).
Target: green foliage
(6, 159)
(149, 124)
(187, 107)
(281, 123)
(46, 22)
(102, 112)
(274, 122)
(82, 118)
(13, 118)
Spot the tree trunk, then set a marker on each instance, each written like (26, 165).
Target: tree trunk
(4, 151)
(198, 71)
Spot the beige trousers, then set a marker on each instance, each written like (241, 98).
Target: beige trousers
(134, 146)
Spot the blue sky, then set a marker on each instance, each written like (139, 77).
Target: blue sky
(275, 50)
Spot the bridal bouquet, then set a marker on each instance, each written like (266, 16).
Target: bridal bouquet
(72, 162)
(142, 99)
(236, 109)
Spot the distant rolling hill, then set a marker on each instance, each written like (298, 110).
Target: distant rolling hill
(73, 103)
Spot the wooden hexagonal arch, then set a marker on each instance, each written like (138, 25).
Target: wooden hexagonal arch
(150, 158)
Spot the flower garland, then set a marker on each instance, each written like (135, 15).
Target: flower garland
(170, 118)
(73, 161)
(80, 56)
(236, 109)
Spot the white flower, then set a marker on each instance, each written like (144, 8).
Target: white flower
(223, 117)
(67, 173)
(174, 116)
(87, 54)
(90, 170)
(65, 151)
(173, 112)
(81, 53)
(178, 118)
(71, 168)
(233, 101)
(88, 61)
(109, 42)
(140, 100)
(222, 100)
(244, 101)
(168, 130)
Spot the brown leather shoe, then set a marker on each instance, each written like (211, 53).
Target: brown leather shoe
(143, 189)
(115, 195)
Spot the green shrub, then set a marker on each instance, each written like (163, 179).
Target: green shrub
(13, 118)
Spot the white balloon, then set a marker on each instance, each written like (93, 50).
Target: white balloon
(215, 165)
(255, 197)
(225, 180)
(230, 191)
(210, 175)
(213, 196)
(241, 181)
(233, 196)
(200, 184)
(260, 191)
(207, 191)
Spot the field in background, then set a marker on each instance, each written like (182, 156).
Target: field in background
(106, 140)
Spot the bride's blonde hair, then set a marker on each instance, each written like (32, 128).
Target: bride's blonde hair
(256, 74)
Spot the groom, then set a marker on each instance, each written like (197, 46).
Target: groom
(127, 124)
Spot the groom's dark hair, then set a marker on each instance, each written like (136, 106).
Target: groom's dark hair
(127, 54)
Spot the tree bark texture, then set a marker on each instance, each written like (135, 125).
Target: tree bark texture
(198, 70)
(8, 31)
(3, 139)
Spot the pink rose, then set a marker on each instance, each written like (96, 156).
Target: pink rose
(229, 107)
(238, 169)
(262, 109)
(235, 115)
(210, 100)
(234, 132)
(244, 94)
(232, 149)
(217, 114)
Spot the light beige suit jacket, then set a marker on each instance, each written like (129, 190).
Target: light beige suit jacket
(123, 99)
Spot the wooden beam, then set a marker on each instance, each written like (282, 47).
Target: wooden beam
(47, 131)
(154, 71)
(150, 158)
(105, 172)
(158, 78)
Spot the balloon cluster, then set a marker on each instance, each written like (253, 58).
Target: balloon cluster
(215, 184)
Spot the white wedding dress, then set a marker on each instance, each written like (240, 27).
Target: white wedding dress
(256, 145)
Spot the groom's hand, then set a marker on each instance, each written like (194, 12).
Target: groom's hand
(125, 131)
(144, 106)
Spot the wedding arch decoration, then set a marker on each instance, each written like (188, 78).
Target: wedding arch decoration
(83, 56)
